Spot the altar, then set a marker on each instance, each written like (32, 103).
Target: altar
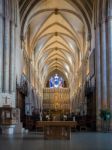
(56, 129)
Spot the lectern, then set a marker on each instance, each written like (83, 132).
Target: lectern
(8, 119)
(7, 116)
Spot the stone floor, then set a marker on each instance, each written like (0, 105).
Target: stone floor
(79, 141)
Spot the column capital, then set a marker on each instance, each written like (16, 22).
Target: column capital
(98, 24)
(2, 15)
(8, 18)
(109, 18)
(109, 8)
(89, 37)
(104, 20)
(13, 23)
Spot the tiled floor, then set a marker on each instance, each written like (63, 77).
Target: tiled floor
(79, 141)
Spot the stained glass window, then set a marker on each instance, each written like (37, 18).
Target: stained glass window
(56, 81)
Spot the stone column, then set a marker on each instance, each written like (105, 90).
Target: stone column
(103, 66)
(109, 55)
(98, 76)
(6, 55)
(12, 59)
(1, 44)
(6, 47)
(109, 52)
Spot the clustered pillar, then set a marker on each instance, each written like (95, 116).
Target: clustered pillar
(6, 54)
(109, 55)
(98, 75)
(12, 60)
(7, 48)
(103, 65)
(103, 59)
(1, 45)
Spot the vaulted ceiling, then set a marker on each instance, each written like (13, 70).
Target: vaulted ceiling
(56, 33)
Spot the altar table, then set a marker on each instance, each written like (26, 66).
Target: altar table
(56, 129)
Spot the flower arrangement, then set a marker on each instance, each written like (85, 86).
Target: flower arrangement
(105, 114)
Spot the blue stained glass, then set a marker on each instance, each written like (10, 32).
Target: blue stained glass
(56, 81)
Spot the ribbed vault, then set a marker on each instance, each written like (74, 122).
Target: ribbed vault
(55, 35)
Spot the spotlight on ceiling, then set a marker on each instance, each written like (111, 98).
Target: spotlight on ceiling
(56, 33)
(56, 11)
